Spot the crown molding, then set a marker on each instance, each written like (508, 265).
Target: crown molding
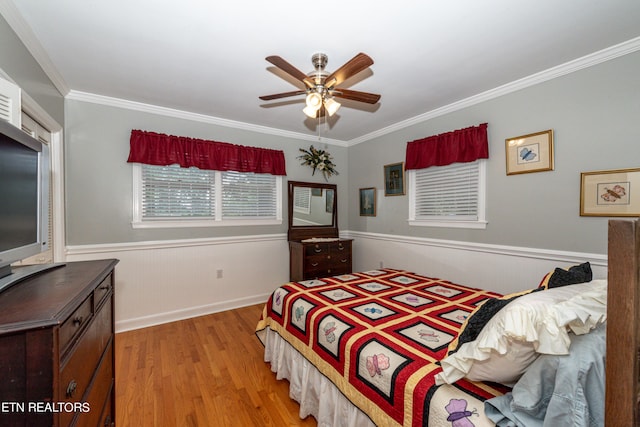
(186, 115)
(17, 23)
(587, 61)
(27, 36)
(578, 64)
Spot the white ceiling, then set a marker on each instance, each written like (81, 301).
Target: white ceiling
(207, 57)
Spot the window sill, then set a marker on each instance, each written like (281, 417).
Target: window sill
(204, 223)
(479, 225)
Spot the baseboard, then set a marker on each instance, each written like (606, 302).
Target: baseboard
(173, 316)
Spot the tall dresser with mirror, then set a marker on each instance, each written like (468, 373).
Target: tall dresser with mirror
(315, 248)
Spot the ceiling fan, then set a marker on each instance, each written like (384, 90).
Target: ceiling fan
(321, 86)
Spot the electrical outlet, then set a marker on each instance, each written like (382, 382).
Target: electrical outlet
(219, 274)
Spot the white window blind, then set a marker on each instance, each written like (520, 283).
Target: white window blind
(448, 194)
(175, 192)
(175, 196)
(248, 195)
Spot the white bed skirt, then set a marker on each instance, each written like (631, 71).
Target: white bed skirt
(316, 395)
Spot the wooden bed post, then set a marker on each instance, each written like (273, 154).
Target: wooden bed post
(623, 324)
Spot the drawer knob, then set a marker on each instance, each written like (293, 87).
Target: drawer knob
(78, 320)
(71, 388)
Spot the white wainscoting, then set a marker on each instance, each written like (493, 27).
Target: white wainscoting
(159, 282)
(504, 269)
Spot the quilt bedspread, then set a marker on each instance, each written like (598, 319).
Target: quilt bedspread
(378, 336)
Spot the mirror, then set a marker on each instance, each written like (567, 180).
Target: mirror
(312, 210)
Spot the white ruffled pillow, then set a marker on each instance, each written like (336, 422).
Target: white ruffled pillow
(532, 324)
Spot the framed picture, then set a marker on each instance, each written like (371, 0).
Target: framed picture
(394, 179)
(368, 201)
(530, 153)
(610, 193)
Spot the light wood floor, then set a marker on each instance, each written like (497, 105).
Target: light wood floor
(206, 371)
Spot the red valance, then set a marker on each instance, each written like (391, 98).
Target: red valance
(459, 146)
(162, 150)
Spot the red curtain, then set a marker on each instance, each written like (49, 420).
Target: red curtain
(162, 150)
(459, 146)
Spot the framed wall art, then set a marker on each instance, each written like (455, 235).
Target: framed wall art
(530, 153)
(368, 201)
(610, 193)
(394, 179)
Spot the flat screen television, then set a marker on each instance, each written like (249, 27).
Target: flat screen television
(24, 201)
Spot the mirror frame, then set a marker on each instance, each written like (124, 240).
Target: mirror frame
(300, 232)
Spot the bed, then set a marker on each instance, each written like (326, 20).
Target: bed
(391, 347)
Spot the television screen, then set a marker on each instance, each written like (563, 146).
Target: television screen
(24, 202)
(19, 194)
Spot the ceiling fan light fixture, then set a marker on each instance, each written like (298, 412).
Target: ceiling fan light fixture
(331, 106)
(322, 86)
(314, 100)
(311, 112)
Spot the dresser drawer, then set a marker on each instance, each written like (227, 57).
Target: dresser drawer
(74, 325)
(316, 262)
(312, 260)
(316, 249)
(340, 247)
(103, 324)
(103, 290)
(100, 393)
(107, 419)
(78, 370)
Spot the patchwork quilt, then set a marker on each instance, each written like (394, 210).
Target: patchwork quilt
(378, 336)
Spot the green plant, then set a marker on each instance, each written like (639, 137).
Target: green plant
(318, 160)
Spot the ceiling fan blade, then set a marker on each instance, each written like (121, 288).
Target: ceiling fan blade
(282, 95)
(355, 95)
(289, 69)
(356, 64)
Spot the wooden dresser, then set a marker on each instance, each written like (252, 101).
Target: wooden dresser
(311, 260)
(57, 365)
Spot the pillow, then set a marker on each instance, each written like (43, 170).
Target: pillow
(560, 277)
(531, 324)
(480, 317)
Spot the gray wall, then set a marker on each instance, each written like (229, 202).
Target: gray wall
(99, 180)
(18, 63)
(595, 115)
(593, 112)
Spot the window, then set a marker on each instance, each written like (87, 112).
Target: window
(448, 196)
(38, 131)
(171, 196)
